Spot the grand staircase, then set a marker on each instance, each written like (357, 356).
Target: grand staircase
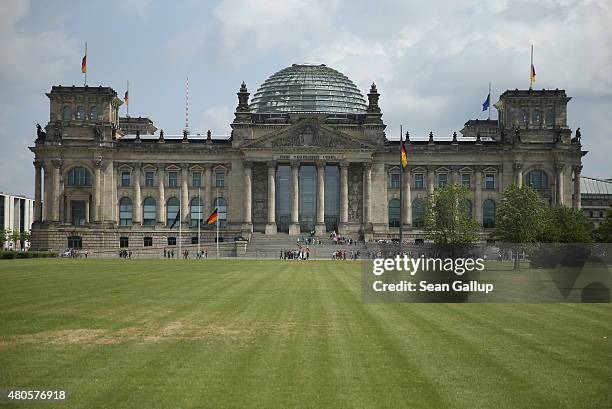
(264, 246)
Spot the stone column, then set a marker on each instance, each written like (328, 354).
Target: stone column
(185, 194)
(208, 189)
(343, 196)
(478, 194)
(430, 180)
(407, 205)
(294, 227)
(137, 203)
(576, 204)
(320, 225)
(95, 208)
(559, 184)
(56, 191)
(271, 225)
(518, 175)
(37, 192)
(248, 197)
(367, 193)
(161, 196)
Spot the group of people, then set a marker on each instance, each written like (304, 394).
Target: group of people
(301, 253)
(125, 254)
(341, 255)
(185, 254)
(338, 239)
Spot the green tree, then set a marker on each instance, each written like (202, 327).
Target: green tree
(447, 219)
(4, 235)
(566, 225)
(604, 233)
(521, 218)
(15, 236)
(23, 237)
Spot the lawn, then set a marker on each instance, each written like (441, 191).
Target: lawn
(194, 334)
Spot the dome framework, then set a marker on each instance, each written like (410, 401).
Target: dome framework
(308, 88)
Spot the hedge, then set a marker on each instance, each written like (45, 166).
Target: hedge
(5, 255)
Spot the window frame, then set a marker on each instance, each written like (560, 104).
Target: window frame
(419, 178)
(152, 179)
(126, 182)
(172, 178)
(492, 180)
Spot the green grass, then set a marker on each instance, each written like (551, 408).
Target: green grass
(193, 334)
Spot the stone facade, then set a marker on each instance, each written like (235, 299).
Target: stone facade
(280, 172)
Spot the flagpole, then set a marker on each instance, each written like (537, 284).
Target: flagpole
(127, 103)
(85, 73)
(199, 217)
(531, 69)
(489, 99)
(218, 219)
(180, 224)
(401, 231)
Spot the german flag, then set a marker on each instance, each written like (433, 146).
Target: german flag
(84, 64)
(404, 155)
(125, 97)
(213, 217)
(532, 74)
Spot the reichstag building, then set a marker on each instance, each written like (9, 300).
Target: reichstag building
(306, 153)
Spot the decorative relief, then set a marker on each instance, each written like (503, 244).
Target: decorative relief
(309, 136)
(355, 194)
(260, 193)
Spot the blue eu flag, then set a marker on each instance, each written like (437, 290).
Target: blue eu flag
(485, 105)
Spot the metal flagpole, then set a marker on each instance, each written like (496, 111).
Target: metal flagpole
(531, 70)
(180, 225)
(127, 103)
(218, 219)
(85, 73)
(199, 218)
(489, 100)
(401, 231)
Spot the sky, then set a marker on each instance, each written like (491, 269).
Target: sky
(432, 61)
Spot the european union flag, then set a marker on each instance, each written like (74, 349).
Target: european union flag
(485, 105)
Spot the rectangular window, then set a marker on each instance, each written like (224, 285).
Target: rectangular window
(196, 179)
(194, 240)
(125, 178)
(220, 179)
(465, 180)
(124, 242)
(148, 241)
(442, 179)
(418, 181)
(489, 181)
(172, 179)
(172, 241)
(149, 178)
(395, 180)
(75, 242)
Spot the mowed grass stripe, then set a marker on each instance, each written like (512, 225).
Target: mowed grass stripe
(288, 334)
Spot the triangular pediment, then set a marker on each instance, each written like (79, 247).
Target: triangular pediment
(310, 135)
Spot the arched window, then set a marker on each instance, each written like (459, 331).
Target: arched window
(221, 205)
(394, 213)
(79, 176)
(524, 117)
(418, 213)
(149, 212)
(80, 113)
(196, 212)
(67, 113)
(488, 214)
(466, 208)
(93, 113)
(537, 179)
(172, 210)
(550, 117)
(536, 117)
(125, 211)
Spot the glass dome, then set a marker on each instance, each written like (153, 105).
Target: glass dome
(308, 88)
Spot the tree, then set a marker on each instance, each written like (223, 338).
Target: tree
(521, 218)
(23, 237)
(15, 236)
(604, 233)
(447, 220)
(566, 225)
(4, 234)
